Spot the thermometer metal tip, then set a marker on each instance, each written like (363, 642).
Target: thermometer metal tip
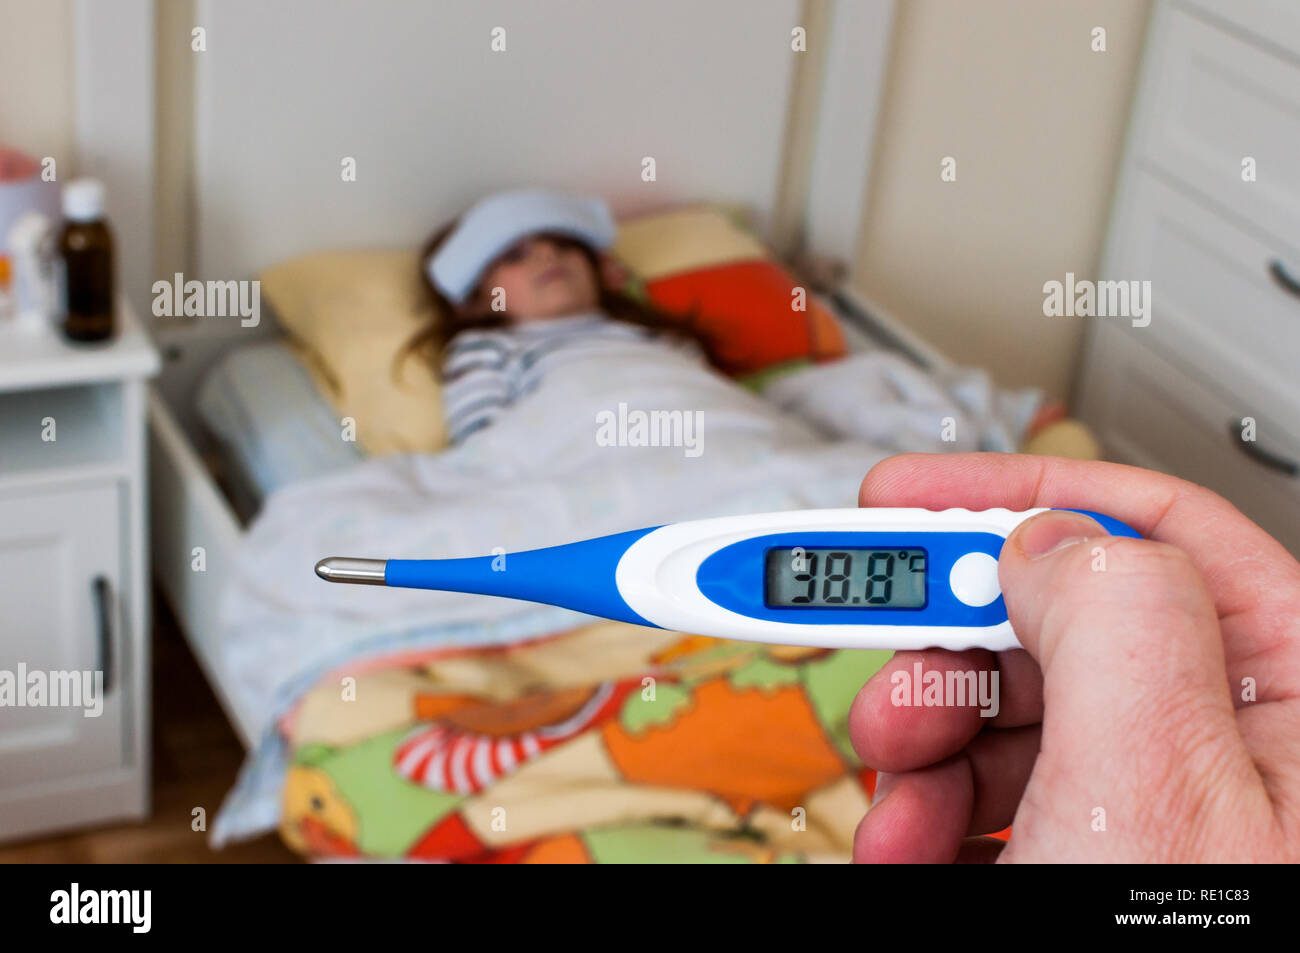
(367, 572)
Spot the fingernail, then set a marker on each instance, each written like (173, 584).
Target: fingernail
(1052, 531)
(884, 784)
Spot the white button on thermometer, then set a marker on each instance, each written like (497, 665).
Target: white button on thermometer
(852, 578)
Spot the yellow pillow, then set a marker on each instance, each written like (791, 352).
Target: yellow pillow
(1065, 438)
(348, 313)
(688, 239)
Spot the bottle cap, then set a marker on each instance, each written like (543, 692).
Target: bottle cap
(83, 200)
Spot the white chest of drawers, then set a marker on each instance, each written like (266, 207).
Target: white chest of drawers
(1208, 210)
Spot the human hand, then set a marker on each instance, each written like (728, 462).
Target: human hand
(1133, 692)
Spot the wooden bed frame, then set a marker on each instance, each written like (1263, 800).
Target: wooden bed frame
(187, 510)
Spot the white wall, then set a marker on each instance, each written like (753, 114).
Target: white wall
(584, 90)
(36, 98)
(1035, 120)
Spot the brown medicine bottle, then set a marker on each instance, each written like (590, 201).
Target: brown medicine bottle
(86, 248)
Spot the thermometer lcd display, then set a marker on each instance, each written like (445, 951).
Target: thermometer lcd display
(845, 578)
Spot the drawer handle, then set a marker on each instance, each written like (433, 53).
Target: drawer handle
(1259, 454)
(103, 600)
(1290, 284)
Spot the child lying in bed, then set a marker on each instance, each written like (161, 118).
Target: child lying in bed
(523, 282)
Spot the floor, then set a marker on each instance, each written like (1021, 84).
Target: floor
(196, 756)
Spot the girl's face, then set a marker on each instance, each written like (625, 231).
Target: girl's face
(540, 276)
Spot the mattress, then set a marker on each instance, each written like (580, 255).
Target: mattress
(270, 420)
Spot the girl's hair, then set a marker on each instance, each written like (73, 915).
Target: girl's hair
(431, 341)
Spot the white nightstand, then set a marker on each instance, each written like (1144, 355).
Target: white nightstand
(73, 576)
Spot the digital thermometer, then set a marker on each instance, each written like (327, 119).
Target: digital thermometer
(843, 578)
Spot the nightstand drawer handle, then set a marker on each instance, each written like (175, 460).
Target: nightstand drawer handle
(103, 607)
(1259, 454)
(1290, 284)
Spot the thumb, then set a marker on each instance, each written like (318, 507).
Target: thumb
(1127, 637)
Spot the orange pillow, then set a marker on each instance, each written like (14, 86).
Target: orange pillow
(745, 311)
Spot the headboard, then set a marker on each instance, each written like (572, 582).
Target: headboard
(434, 118)
(252, 132)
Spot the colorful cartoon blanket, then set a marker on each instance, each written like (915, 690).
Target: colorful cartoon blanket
(605, 743)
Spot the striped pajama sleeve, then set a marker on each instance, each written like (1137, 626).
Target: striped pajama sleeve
(476, 382)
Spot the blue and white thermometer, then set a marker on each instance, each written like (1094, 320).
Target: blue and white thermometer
(845, 578)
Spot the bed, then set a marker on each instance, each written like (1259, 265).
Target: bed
(466, 724)
(200, 500)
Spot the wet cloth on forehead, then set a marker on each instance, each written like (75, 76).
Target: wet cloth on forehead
(497, 222)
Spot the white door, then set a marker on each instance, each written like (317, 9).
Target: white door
(61, 614)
